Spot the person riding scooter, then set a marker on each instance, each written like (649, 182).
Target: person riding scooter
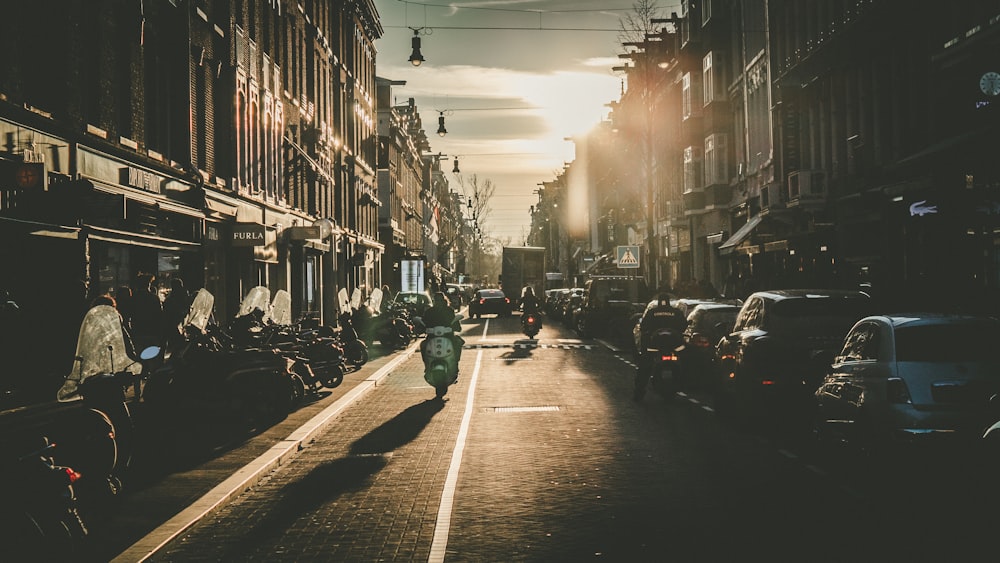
(659, 314)
(441, 314)
(529, 301)
(529, 306)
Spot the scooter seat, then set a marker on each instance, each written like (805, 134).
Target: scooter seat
(438, 331)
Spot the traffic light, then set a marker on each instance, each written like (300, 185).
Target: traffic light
(16, 175)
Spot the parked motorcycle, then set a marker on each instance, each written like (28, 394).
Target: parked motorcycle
(103, 369)
(212, 379)
(319, 360)
(531, 323)
(440, 358)
(659, 365)
(390, 328)
(39, 516)
(355, 349)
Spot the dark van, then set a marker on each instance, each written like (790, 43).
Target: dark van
(610, 304)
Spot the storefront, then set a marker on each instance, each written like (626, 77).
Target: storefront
(137, 221)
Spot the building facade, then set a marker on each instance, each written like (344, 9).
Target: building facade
(786, 154)
(223, 142)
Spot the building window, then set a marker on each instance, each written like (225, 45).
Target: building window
(716, 160)
(706, 12)
(690, 93)
(685, 22)
(693, 169)
(713, 78)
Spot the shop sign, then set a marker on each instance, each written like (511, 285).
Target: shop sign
(412, 275)
(212, 234)
(139, 179)
(303, 233)
(249, 234)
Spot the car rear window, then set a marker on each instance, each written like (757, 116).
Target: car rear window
(952, 342)
(711, 317)
(818, 316)
(491, 293)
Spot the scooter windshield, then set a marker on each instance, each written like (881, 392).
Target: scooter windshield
(100, 348)
(375, 300)
(258, 298)
(356, 299)
(281, 308)
(201, 309)
(343, 301)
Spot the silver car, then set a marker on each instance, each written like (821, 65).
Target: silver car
(911, 378)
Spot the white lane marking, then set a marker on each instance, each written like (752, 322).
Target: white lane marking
(443, 525)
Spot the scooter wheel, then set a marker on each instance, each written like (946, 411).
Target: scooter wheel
(298, 388)
(362, 358)
(333, 378)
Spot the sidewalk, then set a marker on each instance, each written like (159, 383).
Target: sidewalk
(156, 511)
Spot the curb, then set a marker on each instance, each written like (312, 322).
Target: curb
(252, 473)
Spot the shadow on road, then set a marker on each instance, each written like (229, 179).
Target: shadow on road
(323, 484)
(398, 431)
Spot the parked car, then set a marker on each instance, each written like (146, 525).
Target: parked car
(454, 294)
(912, 379)
(610, 305)
(414, 301)
(551, 297)
(707, 323)
(567, 305)
(687, 304)
(780, 348)
(490, 302)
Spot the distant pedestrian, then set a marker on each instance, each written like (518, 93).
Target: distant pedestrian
(123, 297)
(147, 313)
(175, 309)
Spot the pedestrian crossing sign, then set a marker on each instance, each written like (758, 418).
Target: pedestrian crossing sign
(628, 256)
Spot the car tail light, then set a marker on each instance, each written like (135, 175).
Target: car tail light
(767, 382)
(896, 391)
(506, 300)
(668, 358)
(482, 300)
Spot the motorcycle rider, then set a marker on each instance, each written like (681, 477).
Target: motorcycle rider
(659, 314)
(441, 314)
(529, 302)
(529, 305)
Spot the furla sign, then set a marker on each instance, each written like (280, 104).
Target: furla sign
(248, 234)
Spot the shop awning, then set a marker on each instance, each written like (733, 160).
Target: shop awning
(40, 229)
(148, 199)
(137, 239)
(740, 235)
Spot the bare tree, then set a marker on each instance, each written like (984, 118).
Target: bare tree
(637, 23)
(478, 194)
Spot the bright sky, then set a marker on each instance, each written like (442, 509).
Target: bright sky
(484, 58)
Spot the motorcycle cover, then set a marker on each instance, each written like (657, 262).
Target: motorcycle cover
(281, 308)
(258, 298)
(100, 348)
(201, 310)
